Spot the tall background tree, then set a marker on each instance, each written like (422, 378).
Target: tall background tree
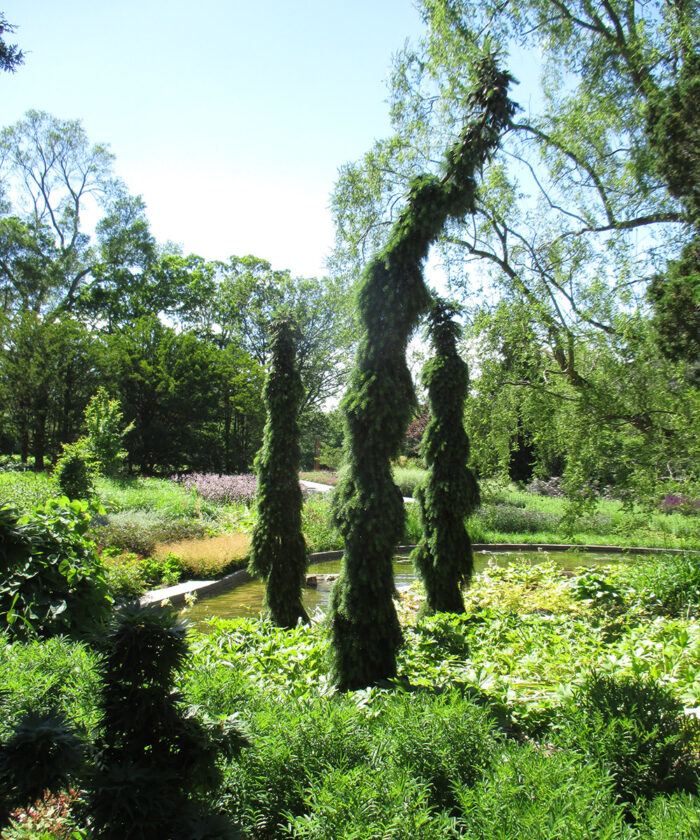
(278, 549)
(11, 56)
(392, 295)
(450, 492)
(575, 220)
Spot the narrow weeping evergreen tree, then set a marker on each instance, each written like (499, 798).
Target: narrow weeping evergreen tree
(450, 492)
(278, 550)
(368, 508)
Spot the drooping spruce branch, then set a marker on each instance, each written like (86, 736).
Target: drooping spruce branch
(368, 508)
(449, 492)
(278, 551)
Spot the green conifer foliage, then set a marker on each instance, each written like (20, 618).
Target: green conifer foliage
(278, 550)
(392, 295)
(450, 492)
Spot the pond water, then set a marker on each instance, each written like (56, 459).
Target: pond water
(245, 601)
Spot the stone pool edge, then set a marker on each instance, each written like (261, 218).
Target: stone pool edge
(177, 595)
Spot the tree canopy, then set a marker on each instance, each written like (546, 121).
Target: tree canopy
(576, 216)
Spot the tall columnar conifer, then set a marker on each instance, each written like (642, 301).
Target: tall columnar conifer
(392, 295)
(449, 492)
(278, 551)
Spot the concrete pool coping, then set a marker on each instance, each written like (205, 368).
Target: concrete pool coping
(177, 595)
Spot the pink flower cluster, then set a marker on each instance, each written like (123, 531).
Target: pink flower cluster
(221, 488)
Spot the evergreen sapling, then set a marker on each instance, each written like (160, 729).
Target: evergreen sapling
(278, 550)
(450, 492)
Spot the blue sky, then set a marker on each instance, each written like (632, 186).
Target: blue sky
(230, 118)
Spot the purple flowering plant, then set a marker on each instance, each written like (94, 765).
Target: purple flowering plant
(220, 489)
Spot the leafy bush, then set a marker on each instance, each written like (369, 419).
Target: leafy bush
(139, 532)
(75, 471)
(636, 730)
(444, 741)
(27, 491)
(105, 437)
(129, 575)
(369, 802)
(55, 580)
(294, 743)
(664, 585)
(221, 489)
(408, 478)
(674, 817)
(535, 794)
(48, 817)
(55, 676)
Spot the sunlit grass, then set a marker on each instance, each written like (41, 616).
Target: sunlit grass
(207, 558)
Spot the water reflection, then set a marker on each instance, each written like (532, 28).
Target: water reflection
(246, 601)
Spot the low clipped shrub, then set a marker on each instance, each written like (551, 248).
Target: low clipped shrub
(54, 581)
(637, 731)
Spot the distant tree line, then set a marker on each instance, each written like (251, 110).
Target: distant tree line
(181, 342)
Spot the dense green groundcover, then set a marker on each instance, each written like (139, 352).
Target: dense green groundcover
(481, 735)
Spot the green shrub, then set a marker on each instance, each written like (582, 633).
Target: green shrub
(154, 758)
(105, 437)
(674, 817)
(637, 731)
(665, 585)
(370, 803)
(294, 743)
(408, 478)
(128, 575)
(44, 677)
(139, 532)
(27, 491)
(75, 471)
(532, 794)
(444, 741)
(48, 818)
(55, 580)
(43, 753)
